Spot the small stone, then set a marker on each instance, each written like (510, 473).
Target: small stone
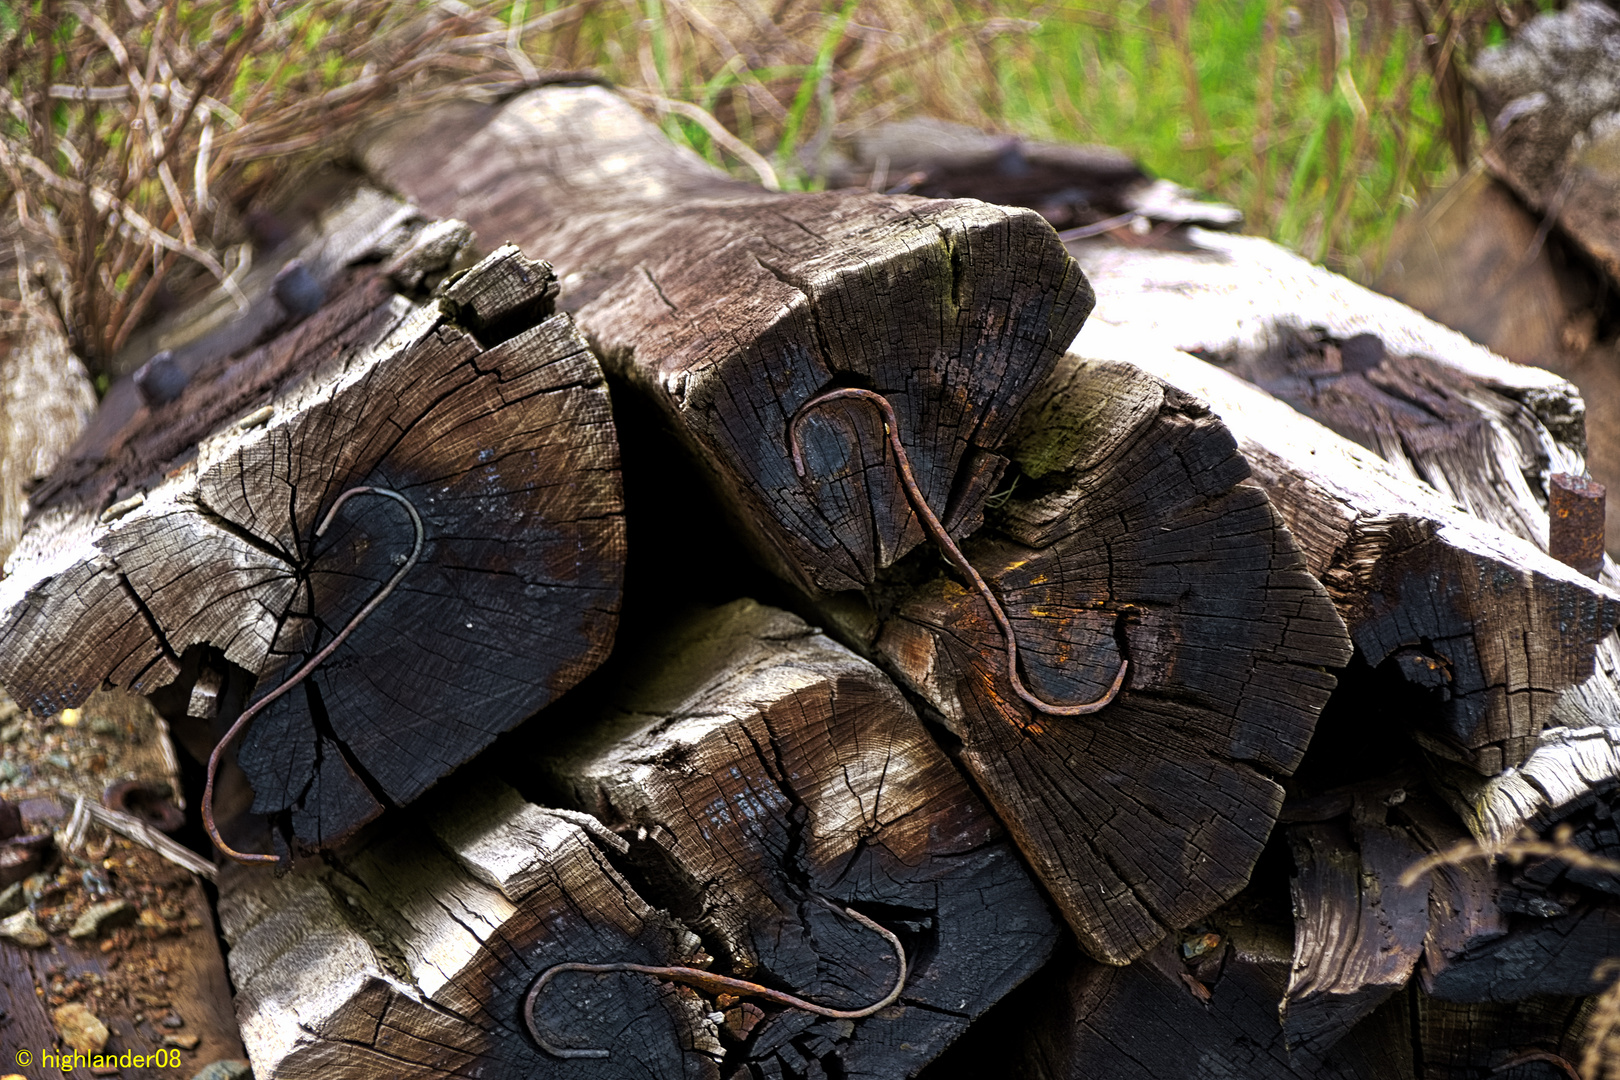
(12, 731)
(154, 922)
(172, 1021)
(161, 379)
(9, 771)
(182, 1042)
(12, 899)
(224, 1070)
(80, 1028)
(101, 725)
(25, 930)
(99, 917)
(1199, 944)
(297, 290)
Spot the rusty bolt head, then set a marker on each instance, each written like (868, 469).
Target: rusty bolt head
(1575, 517)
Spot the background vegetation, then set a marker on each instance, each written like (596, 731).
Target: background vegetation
(135, 135)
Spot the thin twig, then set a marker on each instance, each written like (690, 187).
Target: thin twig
(716, 131)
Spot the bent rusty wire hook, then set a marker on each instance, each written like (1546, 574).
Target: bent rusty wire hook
(715, 984)
(310, 665)
(891, 428)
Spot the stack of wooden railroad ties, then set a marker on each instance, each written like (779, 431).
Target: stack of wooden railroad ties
(753, 642)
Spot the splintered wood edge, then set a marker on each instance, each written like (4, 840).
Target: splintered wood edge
(1341, 499)
(1232, 291)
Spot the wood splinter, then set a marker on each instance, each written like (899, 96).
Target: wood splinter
(718, 984)
(405, 563)
(914, 494)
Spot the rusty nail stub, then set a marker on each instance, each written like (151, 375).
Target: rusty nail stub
(1575, 513)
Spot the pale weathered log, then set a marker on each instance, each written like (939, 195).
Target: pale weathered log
(768, 776)
(1230, 299)
(732, 307)
(1552, 98)
(150, 970)
(45, 400)
(761, 777)
(410, 956)
(503, 450)
(1133, 534)
(1494, 626)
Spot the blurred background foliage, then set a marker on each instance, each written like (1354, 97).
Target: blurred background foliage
(136, 135)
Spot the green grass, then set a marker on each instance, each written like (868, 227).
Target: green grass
(1324, 132)
(1257, 113)
(1325, 136)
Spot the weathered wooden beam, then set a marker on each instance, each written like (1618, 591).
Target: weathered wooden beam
(1240, 300)
(1358, 932)
(1484, 930)
(1496, 627)
(411, 956)
(1173, 1017)
(45, 401)
(207, 523)
(1486, 433)
(732, 307)
(764, 779)
(1133, 533)
(735, 308)
(770, 777)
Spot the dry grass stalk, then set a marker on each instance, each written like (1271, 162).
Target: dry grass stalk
(128, 126)
(130, 129)
(1601, 1057)
(1525, 846)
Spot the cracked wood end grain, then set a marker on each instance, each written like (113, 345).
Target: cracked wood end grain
(761, 772)
(505, 448)
(760, 769)
(1497, 628)
(410, 956)
(1134, 534)
(731, 306)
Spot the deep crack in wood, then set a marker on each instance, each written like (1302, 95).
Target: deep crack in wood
(902, 464)
(309, 666)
